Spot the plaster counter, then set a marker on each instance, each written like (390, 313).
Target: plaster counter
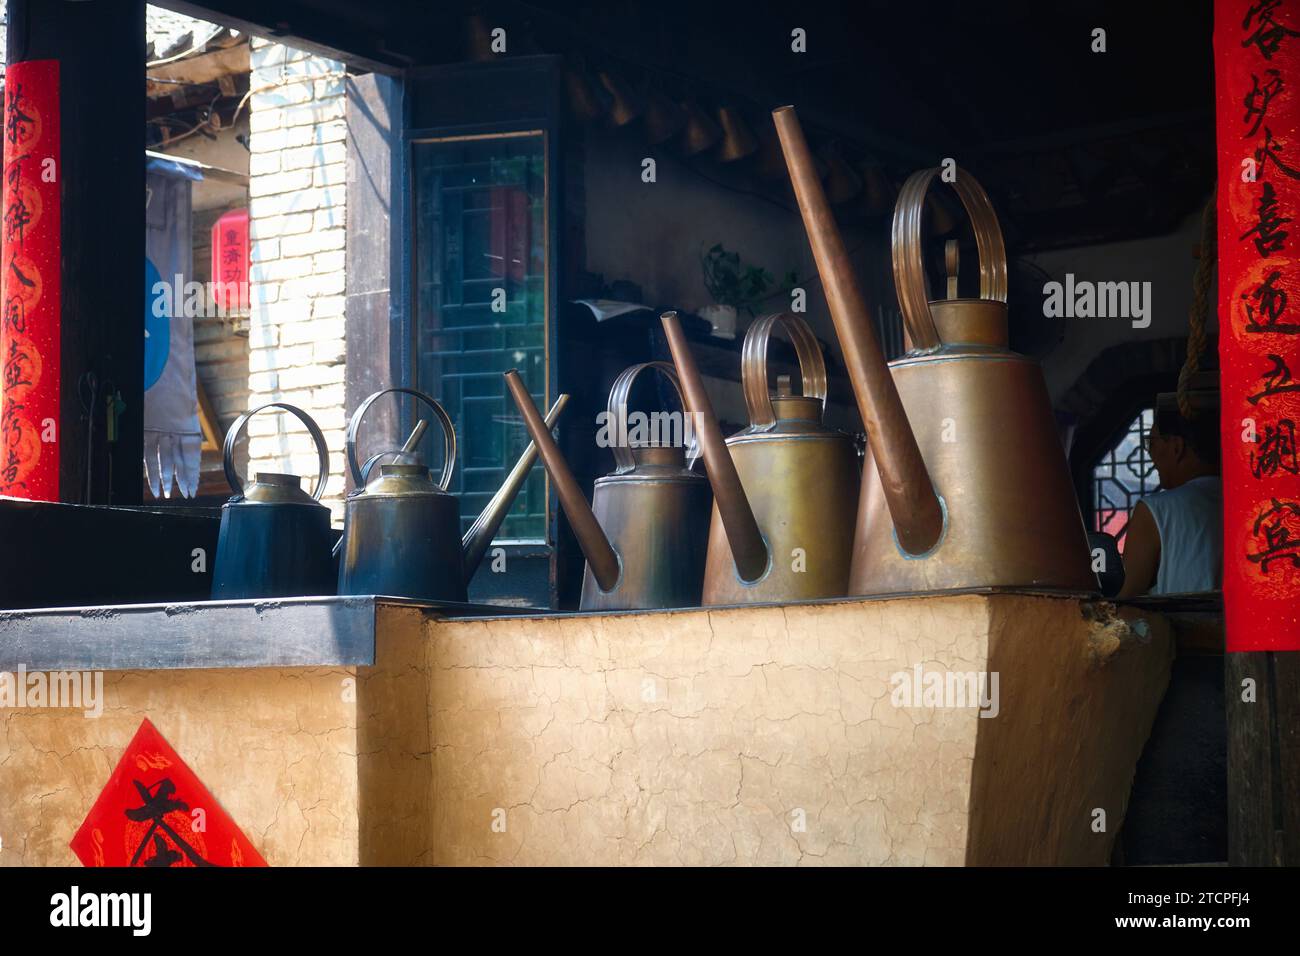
(376, 731)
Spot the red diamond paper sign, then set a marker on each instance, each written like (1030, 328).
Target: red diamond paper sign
(155, 812)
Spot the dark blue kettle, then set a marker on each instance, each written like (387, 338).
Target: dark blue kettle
(275, 539)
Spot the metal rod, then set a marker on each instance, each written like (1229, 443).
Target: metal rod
(480, 534)
(601, 557)
(416, 434)
(748, 549)
(909, 493)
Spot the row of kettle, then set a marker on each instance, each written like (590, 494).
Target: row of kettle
(964, 484)
(401, 526)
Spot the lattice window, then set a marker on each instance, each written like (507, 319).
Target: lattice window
(480, 270)
(1123, 475)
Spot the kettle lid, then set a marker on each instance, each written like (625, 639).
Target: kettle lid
(274, 488)
(401, 478)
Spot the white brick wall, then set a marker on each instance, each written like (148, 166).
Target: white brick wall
(296, 216)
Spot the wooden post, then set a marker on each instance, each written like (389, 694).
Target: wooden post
(374, 136)
(100, 46)
(1262, 697)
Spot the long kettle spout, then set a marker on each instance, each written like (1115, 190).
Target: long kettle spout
(909, 494)
(595, 545)
(480, 534)
(748, 550)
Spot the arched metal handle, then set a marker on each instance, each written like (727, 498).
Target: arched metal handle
(232, 436)
(753, 365)
(440, 413)
(909, 267)
(618, 396)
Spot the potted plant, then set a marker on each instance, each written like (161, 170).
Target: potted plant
(734, 286)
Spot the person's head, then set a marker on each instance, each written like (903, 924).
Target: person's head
(1182, 450)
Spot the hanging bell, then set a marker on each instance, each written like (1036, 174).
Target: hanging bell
(625, 105)
(701, 133)
(877, 192)
(737, 138)
(663, 118)
(584, 105)
(842, 183)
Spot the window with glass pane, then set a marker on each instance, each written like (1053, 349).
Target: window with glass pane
(480, 283)
(1124, 474)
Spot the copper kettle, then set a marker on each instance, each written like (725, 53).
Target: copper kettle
(967, 484)
(644, 532)
(785, 488)
(401, 527)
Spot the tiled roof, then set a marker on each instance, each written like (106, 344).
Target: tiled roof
(169, 34)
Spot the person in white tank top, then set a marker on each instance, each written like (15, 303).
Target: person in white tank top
(1174, 542)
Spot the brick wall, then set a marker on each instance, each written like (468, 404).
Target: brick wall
(296, 209)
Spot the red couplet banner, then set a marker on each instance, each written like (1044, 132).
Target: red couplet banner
(1257, 84)
(30, 287)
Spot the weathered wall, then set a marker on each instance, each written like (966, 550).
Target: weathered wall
(703, 737)
(277, 748)
(1079, 695)
(765, 735)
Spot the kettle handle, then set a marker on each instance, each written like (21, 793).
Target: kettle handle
(618, 395)
(909, 267)
(753, 365)
(440, 413)
(232, 436)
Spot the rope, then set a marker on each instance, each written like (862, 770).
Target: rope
(1198, 314)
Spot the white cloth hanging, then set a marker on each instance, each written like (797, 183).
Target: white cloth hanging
(173, 440)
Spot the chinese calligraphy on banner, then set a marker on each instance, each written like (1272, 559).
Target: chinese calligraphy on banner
(1257, 81)
(30, 288)
(230, 260)
(155, 812)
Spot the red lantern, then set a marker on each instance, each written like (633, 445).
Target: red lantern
(230, 260)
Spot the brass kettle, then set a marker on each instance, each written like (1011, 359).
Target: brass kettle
(968, 484)
(401, 527)
(644, 532)
(785, 488)
(275, 538)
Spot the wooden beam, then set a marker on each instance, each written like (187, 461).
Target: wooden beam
(358, 38)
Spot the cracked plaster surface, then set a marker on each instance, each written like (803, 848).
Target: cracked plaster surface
(276, 747)
(738, 736)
